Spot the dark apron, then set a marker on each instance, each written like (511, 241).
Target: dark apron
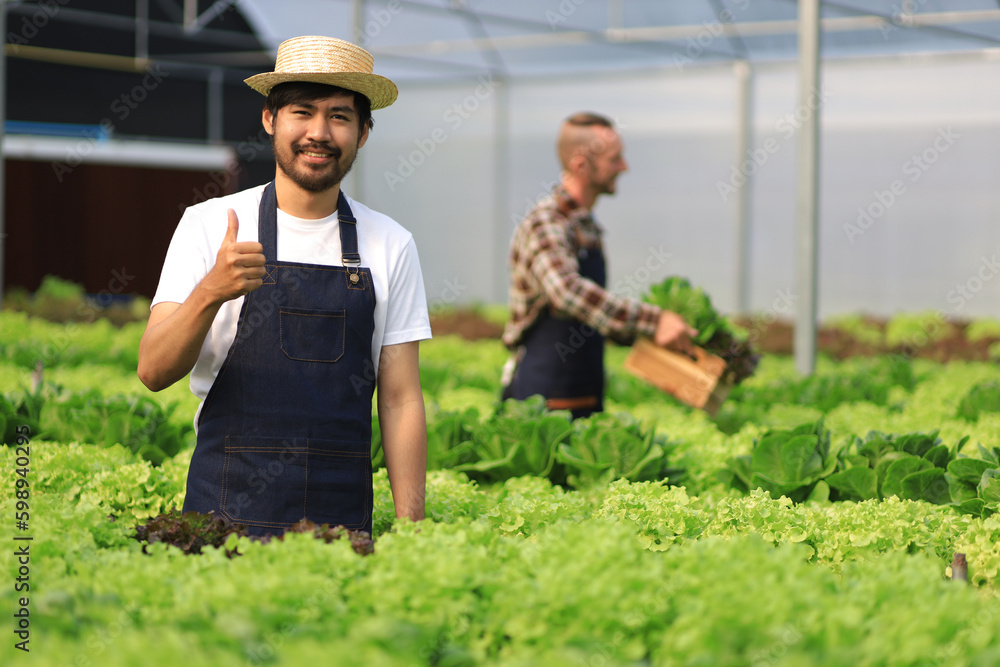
(563, 359)
(285, 431)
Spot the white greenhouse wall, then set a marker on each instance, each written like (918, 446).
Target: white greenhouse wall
(914, 143)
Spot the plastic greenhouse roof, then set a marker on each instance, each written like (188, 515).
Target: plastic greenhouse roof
(437, 39)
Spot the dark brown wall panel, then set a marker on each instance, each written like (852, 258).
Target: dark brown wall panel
(106, 227)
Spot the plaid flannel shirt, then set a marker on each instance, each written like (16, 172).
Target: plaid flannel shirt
(545, 276)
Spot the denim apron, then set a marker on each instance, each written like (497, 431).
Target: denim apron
(285, 431)
(563, 359)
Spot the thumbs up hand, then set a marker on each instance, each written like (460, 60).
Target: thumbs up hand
(239, 267)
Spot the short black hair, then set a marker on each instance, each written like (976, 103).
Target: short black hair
(303, 92)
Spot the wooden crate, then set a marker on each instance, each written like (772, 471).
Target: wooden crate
(701, 383)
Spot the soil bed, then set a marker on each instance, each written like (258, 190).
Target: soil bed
(774, 338)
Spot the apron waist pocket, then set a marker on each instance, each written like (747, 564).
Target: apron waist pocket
(274, 482)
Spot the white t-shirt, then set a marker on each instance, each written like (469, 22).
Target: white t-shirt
(384, 245)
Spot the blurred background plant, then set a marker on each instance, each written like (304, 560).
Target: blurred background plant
(60, 300)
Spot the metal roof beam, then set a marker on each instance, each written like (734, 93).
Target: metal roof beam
(194, 23)
(939, 21)
(551, 31)
(127, 24)
(672, 33)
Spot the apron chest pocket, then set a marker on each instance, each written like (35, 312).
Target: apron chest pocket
(313, 335)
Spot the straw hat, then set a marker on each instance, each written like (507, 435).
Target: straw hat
(330, 61)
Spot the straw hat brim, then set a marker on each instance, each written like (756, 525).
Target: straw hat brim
(379, 90)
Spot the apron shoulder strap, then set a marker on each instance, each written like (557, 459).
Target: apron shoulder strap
(348, 233)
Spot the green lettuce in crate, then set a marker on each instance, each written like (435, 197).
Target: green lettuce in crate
(716, 334)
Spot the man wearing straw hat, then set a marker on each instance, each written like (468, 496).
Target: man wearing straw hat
(287, 303)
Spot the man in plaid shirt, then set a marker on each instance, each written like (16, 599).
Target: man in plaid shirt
(560, 311)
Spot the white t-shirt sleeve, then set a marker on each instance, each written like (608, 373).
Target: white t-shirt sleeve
(406, 316)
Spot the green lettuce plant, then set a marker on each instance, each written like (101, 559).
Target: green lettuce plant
(785, 462)
(606, 447)
(974, 482)
(798, 463)
(519, 439)
(139, 423)
(983, 397)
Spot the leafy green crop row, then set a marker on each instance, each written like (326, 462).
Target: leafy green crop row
(26, 341)
(523, 438)
(136, 421)
(520, 573)
(531, 554)
(798, 463)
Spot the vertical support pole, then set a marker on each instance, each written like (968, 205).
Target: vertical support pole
(3, 156)
(215, 105)
(141, 29)
(807, 187)
(501, 179)
(358, 37)
(744, 145)
(616, 14)
(190, 13)
(358, 22)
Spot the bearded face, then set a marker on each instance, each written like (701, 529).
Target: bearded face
(315, 144)
(605, 163)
